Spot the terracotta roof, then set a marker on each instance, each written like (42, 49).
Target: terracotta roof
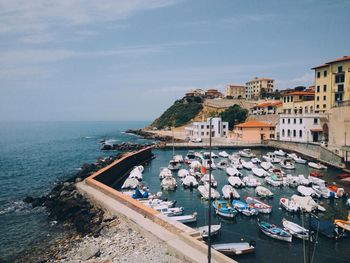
(270, 103)
(310, 93)
(345, 58)
(316, 130)
(253, 124)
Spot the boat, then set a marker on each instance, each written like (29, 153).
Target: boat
(139, 193)
(183, 173)
(247, 165)
(348, 202)
(259, 205)
(280, 153)
(235, 248)
(326, 228)
(165, 210)
(295, 229)
(224, 209)
(307, 191)
(196, 165)
(263, 191)
(273, 180)
(174, 165)
(271, 157)
(303, 180)
(189, 181)
(287, 164)
(222, 164)
(164, 171)
(190, 157)
(343, 176)
(318, 166)
(255, 160)
(130, 183)
(323, 191)
(185, 218)
(259, 172)
(246, 153)
(292, 155)
(235, 161)
(205, 179)
(250, 181)
(207, 163)
(300, 160)
(306, 203)
(315, 174)
(168, 183)
(204, 230)
(204, 191)
(293, 181)
(136, 172)
(158, 202)
(289, 205)
(244, 208)
(343, 223)
(274, 231)
(232, 171)
(228, 192)
(235, 181)
(223, 154)
(178, 158)
(339, 191)
(266, 165)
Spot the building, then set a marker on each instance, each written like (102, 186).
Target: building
(257, 85)
(332, 82)
(298, 102)
(265, 108)
(235, 91)
(213, 94)
(195, 93)
(253, 132)
(219, 129)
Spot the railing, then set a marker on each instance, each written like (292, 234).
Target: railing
(341, 104)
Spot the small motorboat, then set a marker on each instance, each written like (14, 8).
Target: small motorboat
(271, 157)
(174, 165)
(183, 173)
(130, 183)
(343, 176)
(206, 179)
(306, 203)
(292, 155)
(247, 153)
(315, 180)
(223, 154)
(224, 209)
(343, 223)
(266, 165)
(140, 194)
(136, 172)
(204, 230)
(307, 191)
(244, 208)
(259, 205)
(303, 180)
(235, 181)
(315, 174)
(189, 181)
(250, 181)
(222, 164)
(255, 160)
(207, 163)
(274, 231)
(300, 160)
(273, 180)
(158, 202)
(164, 171)
(339, 191)
(287, 164)
(228, 192)
(289, 205)
(165, 210)
(293, 181)
(235, 248)
(318, 166)
(323, 191)
(232, 171)
(280, 153)
(326, 228)
(190, 157)
(263, 191)
(259, 172)
(295, 229)
(185, 218)
(247, 165)
(196, 165)
(178, 158)
(204, 191)
(168, 183)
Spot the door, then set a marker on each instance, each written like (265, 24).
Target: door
(315, 137)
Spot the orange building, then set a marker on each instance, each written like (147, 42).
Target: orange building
(253, 132)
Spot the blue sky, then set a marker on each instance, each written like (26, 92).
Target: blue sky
(129, 59)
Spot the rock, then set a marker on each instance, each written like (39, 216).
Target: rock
(108, 217)
(88, 251)
(28, 199)
(38, 201)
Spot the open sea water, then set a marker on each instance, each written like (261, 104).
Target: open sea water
(35, 156)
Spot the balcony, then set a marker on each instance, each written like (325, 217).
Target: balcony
(341, 104)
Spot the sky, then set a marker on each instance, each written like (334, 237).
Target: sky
(109, 60)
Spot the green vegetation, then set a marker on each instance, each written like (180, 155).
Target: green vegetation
(180, 113)
(234, 115)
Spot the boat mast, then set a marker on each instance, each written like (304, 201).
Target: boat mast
(209, 210)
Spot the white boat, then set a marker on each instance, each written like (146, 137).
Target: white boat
(271, 157)
(157, 202)
(168, 183)
(259, 205)
(318, 166)
(183, 173)
(204, 230)
(232, 171)
(306, 203)
(247, 165)
(280, 153)
(263, 191)
(235, 181)
(315, 180)
(189, 181)
(204, 191)
(205, 179)
(323, 191)
(195, 165)
(130, 183)
(255, 160)
(206, 163)
(295, 229)
(266, 165)
(165, 210)
(223, 154)
(190, 157)
(235, 161)
(289, 205)
(235, 248)
(259, 172)
(228, 192)
(250, 181)
(246, 153)
(307, 191)
(272, 181)
(287, 164)
(303, 180)
(173, 165)
(292, 155)
(178, 158)
(135, 174)
(293, 181)
(164, 171)
(185, 218)
(223, 164)
(300, 160)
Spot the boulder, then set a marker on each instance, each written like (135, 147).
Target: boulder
(88, 251)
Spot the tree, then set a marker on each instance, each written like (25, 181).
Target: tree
(234, 115)
(263, 93)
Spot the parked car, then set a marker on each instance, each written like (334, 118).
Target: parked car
(196, 139)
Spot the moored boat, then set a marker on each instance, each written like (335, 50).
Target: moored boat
(266, 165)
(204, 191)
(343, 176)
(130, 183)
(274, 231)
(318, 166)
(247, 165)
(255, 160)
(222, 164)
(174, 165)
(190, 157)
(232, 171)
(300, 160)
(315, 174)
(244, 208)
(224, 209)
(204, 230)
(223, 154)
(289, 205)
(259, 205)
(206, 179)
(295, 229)
(263, 191)
(228, 192)
(164, 171)
(235, 248)
(185, 218)
(178, 158)
(259, 172)
(247, 153)
(280, 153)
(189, 181)
(168, 183)
(307, 191)
(250, 181)
(271, 157)
(165, 210)
(326, 228)
(235, 181)
(287, 164)
(182, 173)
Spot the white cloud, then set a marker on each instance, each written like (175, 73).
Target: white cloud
(307, 79)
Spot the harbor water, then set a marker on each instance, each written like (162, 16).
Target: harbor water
(245, 228)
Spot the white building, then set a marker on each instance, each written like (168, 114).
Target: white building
(219, 129)
(300, 128)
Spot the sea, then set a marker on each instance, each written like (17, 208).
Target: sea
(34, 156)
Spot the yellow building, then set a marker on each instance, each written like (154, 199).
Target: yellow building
(255, 86)
(332, 84)
(235, 91)
(298, 102)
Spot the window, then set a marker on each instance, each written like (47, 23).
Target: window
(224, 126)
(318, 75)
(306, 109)
(261, 129)
(324, 97)
(295, 121)
(318, 89)
(317, 106)
(324, 88)
(340, 69)
(224, 133)
(315, 120)
(202, 133)
(294, 133)
(288, 133)
(300, 121)
(311, 109)
(283, 121)
(283, 132)
(288, 99)
(284, 99)
(341, 88)
(207, 126)
(325, 73)
(272, 136)
(318, 98)
(324, 106)
(291, 98)
(339, 78)
(300, 133)
(288, 121)
(202, 126)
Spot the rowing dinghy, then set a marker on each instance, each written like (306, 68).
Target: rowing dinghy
(235, 248)
(295, 229)
(204, 230)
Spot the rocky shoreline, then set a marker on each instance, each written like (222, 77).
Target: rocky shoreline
(153, 136)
